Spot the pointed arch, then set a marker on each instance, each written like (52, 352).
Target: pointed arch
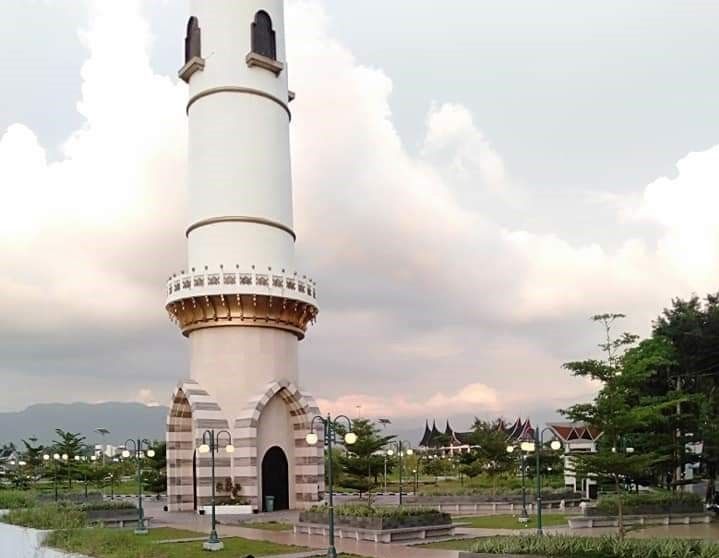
(308, 460)
(188, 476)
(264, 41)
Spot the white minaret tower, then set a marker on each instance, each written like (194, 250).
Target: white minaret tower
(241, 302)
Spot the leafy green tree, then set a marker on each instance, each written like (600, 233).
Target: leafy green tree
(621, 410)
(692, 328)
(363, 462)
(435, 467)
(155, 473)
(489, 452)
(33, 457)
(70, 444)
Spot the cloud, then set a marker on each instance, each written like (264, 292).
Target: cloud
(421, 293)
(468, 399)
(146, 397)
(453, 139)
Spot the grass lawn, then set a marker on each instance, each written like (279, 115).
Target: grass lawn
(510, 521)
(267, 525)
(120, 543)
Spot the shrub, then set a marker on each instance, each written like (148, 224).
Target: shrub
(564, 546)
(109, 505)
(650, 502)
(15, 499)
(48, 517)
(370, 517)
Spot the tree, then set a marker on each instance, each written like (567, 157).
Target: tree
(363, 462)
(621, 410)
(33, 458)
(70, 444)
(155, 473)
(488, 454)
(692, 328)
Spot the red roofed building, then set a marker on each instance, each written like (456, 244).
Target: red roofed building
(576, 438)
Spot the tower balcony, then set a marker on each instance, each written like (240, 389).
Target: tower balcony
(232, 297)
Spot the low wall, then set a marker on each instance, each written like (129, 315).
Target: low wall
(586, 522)
(21, 542)
(426, 532)
(484, 508)
(483, 498)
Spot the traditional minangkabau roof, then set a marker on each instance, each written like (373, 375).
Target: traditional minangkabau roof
(568, 431)
(426, 437)
(434, 438)
(513, 430)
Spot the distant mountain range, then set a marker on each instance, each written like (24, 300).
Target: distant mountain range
(123, 420)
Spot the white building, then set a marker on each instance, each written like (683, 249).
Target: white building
(576, 438)
(241, 302)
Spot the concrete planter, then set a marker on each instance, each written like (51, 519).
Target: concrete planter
(586, 522)
(426, 532)
(470, 507)
(498, 499)
(229, 510)
(669, 509)
(378, 523)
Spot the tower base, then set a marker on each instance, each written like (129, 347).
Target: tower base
(272, 466)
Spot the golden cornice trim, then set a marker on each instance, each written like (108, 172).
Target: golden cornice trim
(236, 89)
(242, 310)
(240, 219)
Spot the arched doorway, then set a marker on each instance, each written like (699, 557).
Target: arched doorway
(275, 478)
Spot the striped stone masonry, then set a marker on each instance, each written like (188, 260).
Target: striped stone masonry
(193, 411)
(308, 464)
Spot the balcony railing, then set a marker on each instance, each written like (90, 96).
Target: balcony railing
(222, 281)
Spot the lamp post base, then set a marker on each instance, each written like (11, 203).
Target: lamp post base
(213, 546)
(142, 531)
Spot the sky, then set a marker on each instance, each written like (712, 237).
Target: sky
(472, 181)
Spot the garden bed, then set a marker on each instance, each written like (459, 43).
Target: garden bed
(563, 546)
(366, 517)
(652, 503)
(361, 522)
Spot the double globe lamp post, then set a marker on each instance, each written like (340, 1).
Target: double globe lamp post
(329, 431)
(402, 448)
(526, 448)
(135, 447)
(210, 444)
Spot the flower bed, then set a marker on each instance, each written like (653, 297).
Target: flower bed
(648, 504)
(366, 517)
(562, 546)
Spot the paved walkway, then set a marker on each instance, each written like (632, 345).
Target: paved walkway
(194, 522)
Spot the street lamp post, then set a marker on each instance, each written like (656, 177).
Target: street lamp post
(210, 441)
(329, 430)
(135, 447)
(400, 453)
(538, 444)
(525, 447)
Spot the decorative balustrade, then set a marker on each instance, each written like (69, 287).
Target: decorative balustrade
(222, 281)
